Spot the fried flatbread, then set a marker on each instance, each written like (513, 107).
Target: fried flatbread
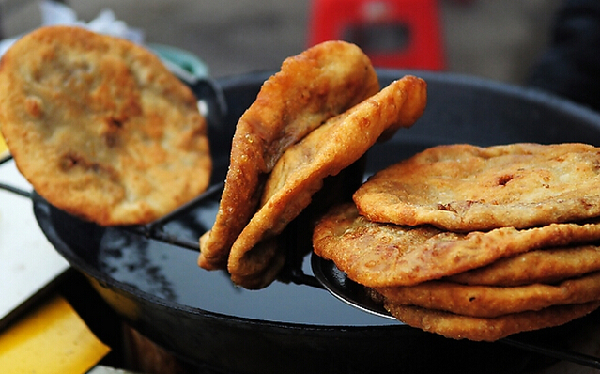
(538, 266)
(100, 127)
(463, 187)
(270, 258)
(384, 255)
(490, 302)
(324, 152)
(322, 82)
(488, 329)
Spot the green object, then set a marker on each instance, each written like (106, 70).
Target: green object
(180, 60)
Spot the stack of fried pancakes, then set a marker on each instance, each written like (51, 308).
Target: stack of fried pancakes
(476, 243)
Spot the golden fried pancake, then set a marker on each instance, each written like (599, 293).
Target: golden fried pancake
(539, 266)
(100, 128)
(462, 187)
(262, 265)
(487, 329)
(265, 261)
(311, 87)
(490, 302)
(384, 255)
(324, 152)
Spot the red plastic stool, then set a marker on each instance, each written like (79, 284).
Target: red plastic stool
(393, 33)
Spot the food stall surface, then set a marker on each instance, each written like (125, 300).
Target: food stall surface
(235, 37)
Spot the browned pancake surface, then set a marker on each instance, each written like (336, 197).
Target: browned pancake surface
(100, 128)
(490, 302)
(463, 187)
(324, 152)
(311, 87)
(488, 329)
(384, 255)
(546, 265)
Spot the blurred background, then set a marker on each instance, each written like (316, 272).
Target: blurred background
(492, 39)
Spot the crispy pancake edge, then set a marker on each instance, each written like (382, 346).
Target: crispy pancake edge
(326, 151)
(371, 254)
(463, 187)
(107, 193)
(311, 87)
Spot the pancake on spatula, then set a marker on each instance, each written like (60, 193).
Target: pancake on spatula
(324, 152)
(546, 265)
(384, 255)
(491, 302)
(463, 187)
(487, 329)
(100, 127)
(310, 88)
(270, 258)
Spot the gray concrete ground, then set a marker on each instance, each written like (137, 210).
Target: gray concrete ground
(488, 38)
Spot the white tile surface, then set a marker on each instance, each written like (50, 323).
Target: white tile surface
(28, 261)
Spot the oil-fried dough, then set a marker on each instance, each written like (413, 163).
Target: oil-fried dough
(266, 260)
(311, 87)
(324, 152)
(539, 266)
(100, 127)
(384, 255)
(487, 329)
(463, 187)
(490, 302)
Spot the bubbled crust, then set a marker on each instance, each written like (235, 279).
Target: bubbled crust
(464, 187)
(382, 255)
(100, 127)
(487, 329)
(319, 83)
(324, 152)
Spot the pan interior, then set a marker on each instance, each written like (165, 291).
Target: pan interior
(459, 110)
(167, 273)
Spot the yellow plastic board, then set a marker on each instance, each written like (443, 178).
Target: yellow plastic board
(50, 339)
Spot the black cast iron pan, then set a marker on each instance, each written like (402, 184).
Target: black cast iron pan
(297, 326)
